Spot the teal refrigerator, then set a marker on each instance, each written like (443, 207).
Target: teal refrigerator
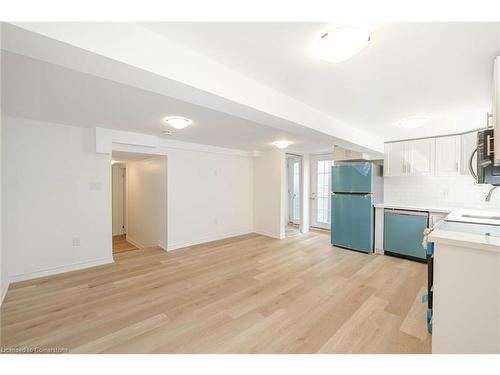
(356, 187)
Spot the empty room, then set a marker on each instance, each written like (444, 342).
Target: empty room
(250, 188)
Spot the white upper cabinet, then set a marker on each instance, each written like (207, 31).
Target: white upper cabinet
(421, 157)
(409, 158)
(440, 156)
(469, 143)
(448, 155)
(395, 159)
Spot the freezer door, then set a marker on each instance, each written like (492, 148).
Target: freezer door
(352, 178)
(352, 221)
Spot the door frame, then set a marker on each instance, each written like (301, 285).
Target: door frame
(121, 200)
(314, 189)
(291, 160)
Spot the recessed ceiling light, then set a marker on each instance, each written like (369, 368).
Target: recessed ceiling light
(413, 122)
(178, 122)
(282, 144)
(343, 42)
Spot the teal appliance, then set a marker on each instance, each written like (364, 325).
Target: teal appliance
(403, 232)
(356, 187)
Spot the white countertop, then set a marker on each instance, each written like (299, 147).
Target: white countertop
(411, 207)
(462, 239)
(474, 230)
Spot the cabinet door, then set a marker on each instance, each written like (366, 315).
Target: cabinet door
(395, 159)
(421, 157)
(469, 143)
(448, 156)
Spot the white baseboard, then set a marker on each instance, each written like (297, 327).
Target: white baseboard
(269, 235)
(4, 292)
(163, 245)
(60, 269)
(180, 245)
(134, 242)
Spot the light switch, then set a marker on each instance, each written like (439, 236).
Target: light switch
(95, 186)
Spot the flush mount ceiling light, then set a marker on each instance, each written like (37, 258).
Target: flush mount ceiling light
(282, 144)
(413, 122)
(178, 122)
(343, 42)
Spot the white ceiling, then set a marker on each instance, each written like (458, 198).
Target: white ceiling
(39, 90)
(441, 70)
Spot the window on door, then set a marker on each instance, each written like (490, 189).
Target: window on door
(322, 193)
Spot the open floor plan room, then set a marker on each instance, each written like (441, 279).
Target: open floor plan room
(248, 294)
(250, 188)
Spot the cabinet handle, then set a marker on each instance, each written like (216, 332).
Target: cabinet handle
(456, 166)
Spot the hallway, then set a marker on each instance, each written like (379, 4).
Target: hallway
(120, 244)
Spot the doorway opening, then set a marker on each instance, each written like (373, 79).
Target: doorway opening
(139, 200)
(294, 178)
(321, 186)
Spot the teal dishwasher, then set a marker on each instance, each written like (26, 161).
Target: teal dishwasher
(403, 233)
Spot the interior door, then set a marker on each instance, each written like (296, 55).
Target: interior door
(320, 200)
(118, 200)
(293, 176)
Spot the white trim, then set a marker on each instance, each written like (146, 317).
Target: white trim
(163, 245)
(134, 242)
(60, 269)
(108, 140)
(4, 292)
(270, 235)
(180, 245)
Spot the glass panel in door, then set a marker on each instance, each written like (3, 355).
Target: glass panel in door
(321, 193)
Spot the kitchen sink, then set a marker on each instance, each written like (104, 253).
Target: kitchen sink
(475, 217)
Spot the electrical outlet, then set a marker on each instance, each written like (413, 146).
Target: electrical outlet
(76, 241)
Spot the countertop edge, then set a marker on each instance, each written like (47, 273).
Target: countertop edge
(466, 240)
(443, 210)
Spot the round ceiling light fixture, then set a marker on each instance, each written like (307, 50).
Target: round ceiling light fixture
(413, 122)
(178, 122)
(343, 42)
(282, 144)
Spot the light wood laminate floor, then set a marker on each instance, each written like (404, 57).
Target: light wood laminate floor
(248, 294)
(120, 244)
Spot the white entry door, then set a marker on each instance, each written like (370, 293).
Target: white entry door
(320, 203)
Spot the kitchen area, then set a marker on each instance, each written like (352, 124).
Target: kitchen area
(434, 200)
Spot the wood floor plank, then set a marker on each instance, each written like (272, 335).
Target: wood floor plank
(247, 294)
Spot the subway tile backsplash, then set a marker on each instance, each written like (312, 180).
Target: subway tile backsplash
(439, 191)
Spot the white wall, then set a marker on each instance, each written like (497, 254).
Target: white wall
(269, 192)
(209, 196)
(57, 189)
(147, 202)
(438, 191)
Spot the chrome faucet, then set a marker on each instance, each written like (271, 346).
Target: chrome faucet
(488, 197)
